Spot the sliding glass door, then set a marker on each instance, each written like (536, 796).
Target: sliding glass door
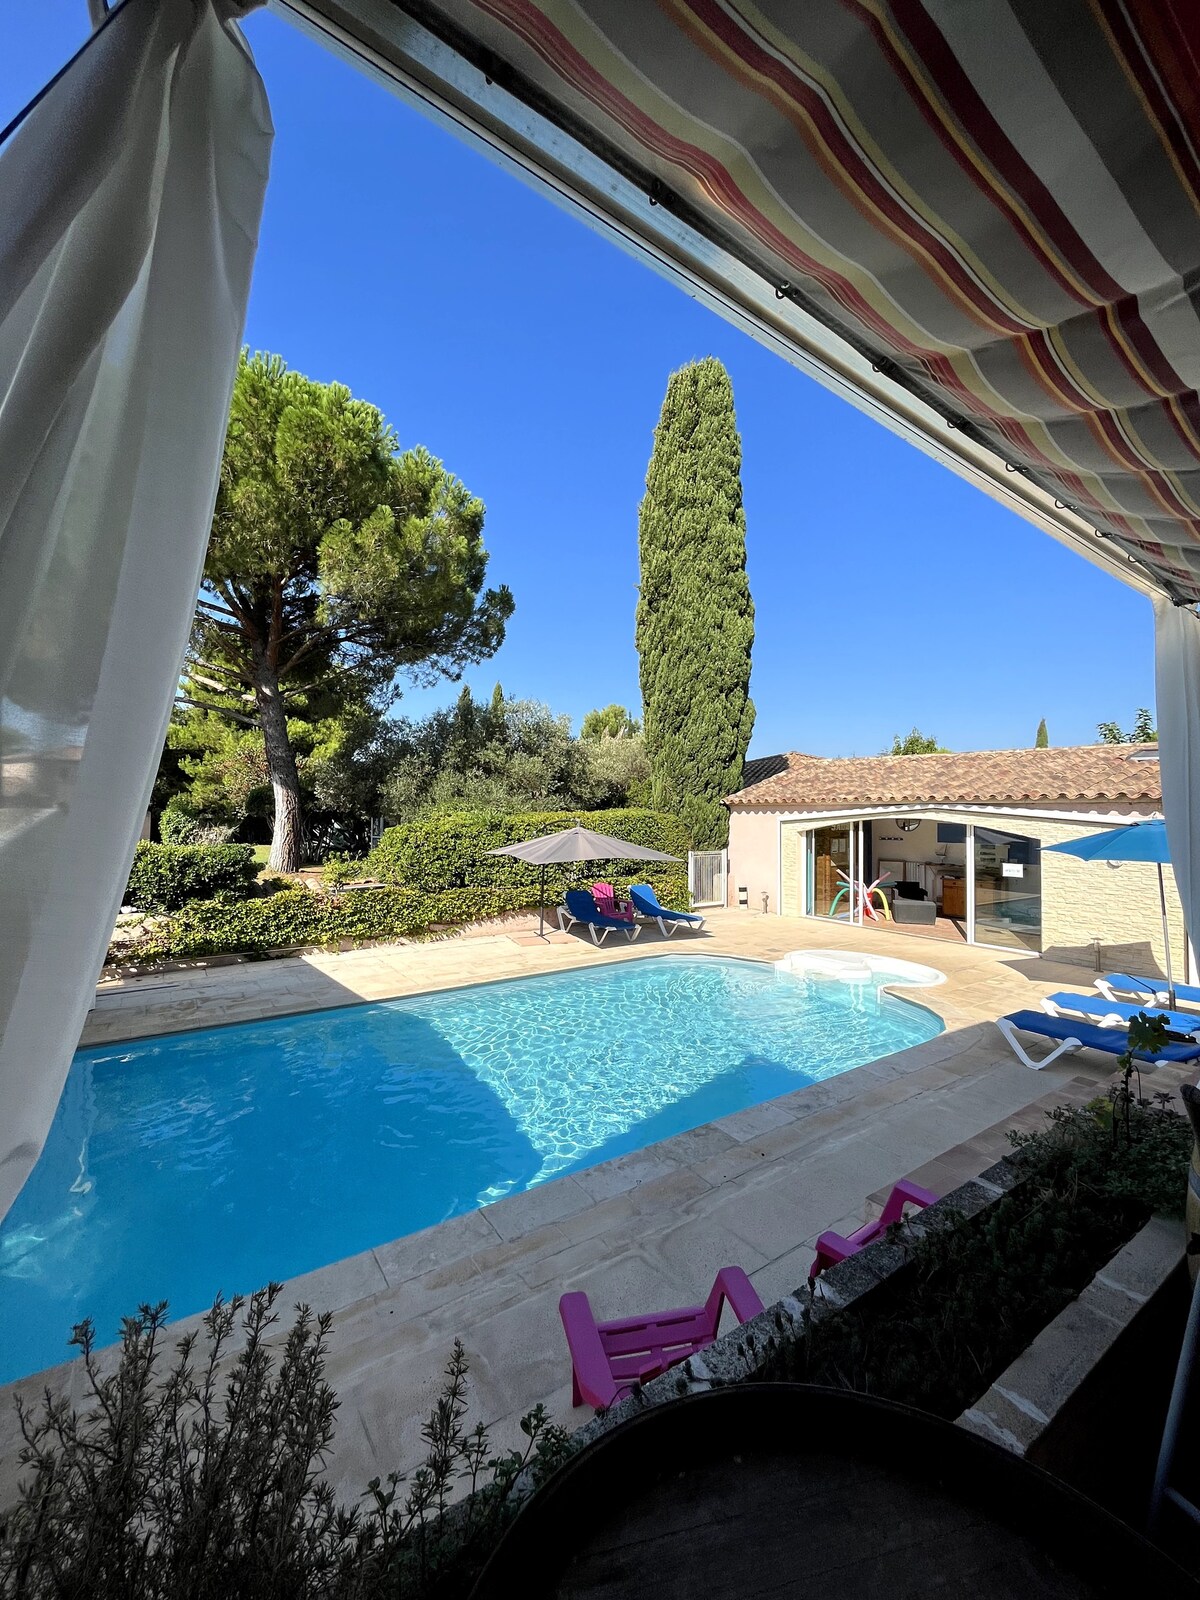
(1008, 889)
(829, 860)
(984, 884)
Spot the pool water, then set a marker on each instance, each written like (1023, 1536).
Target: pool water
(190, 1163)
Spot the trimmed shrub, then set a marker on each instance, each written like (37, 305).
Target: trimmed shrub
(166, 876)
(438, 870)
(178, 824)
(301, 917)
(450, 851)
(341, 870)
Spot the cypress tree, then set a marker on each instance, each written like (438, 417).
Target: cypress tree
(695, 617)
(1042, 742)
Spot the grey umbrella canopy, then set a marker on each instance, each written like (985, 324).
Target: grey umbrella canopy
(575, 844)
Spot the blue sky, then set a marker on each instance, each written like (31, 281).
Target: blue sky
(531, 355)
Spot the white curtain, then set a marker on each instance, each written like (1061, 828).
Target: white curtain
(1177, 690)
(130, 201)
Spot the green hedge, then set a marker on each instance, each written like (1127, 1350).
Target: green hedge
(438, 870)
(165, 877)
(450, 851)
(301, 917)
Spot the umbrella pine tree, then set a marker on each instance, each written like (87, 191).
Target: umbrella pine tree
(695, 617)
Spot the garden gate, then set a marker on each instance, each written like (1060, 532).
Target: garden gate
(708, 871)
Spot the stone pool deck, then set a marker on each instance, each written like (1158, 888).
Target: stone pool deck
(641, 1232)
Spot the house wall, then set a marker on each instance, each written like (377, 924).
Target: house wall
(1118, 904)
(1082, 901)
(754, 858)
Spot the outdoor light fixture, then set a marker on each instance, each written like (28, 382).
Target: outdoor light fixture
(908, 824)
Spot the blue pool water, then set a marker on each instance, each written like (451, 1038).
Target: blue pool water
(217, 1160)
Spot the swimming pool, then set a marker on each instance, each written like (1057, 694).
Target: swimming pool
(195, 1162)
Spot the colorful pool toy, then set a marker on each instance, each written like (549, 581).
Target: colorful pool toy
(866, 894)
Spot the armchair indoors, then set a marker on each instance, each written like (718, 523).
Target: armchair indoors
(911, 904)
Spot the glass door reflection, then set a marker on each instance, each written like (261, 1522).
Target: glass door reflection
(1008, 889)
(830, 855)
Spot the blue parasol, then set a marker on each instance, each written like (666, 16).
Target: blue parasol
(1137, 841)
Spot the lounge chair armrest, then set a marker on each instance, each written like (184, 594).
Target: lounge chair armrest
(733, 1285)
(592, 1371)
(835, 1246)
(914, 1194)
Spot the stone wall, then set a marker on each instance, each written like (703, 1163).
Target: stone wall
(792, 877)
(1054, 1402)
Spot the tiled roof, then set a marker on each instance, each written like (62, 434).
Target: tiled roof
(763, 767)
(984, 777)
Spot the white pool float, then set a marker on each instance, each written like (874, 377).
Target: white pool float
(850, 966)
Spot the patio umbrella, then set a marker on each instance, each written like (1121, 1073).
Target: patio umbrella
(1138, 841)
(575, 844)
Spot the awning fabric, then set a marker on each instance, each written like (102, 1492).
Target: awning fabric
(997, 202)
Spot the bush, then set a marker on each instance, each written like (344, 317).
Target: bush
(191, 1482)
(300, 917)
(178, 824)
(438, 871)
(341, 870)
(450, 851)
(165, 876)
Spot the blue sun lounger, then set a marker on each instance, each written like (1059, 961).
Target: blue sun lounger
(645, 903)
(1147, 990)
(1072, 1035)
(1106, 1013)
(579, 905)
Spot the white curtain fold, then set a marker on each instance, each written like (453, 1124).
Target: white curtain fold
(1177, 691)
(130, 201)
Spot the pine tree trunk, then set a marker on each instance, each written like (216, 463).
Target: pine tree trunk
(287, 839)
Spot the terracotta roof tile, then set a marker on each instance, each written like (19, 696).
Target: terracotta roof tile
(763, 767)
(983, 777)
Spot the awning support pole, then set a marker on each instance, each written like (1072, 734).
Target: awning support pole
(1162, 900)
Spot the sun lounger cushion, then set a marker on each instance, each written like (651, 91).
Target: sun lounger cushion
(1123, 983)
(1098, 1008)
(583, 908)
(645, 902)
(1113, 1041)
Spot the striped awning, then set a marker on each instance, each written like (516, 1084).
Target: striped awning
(994, 203)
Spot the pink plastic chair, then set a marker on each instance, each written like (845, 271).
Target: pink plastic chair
(609, 1358)
(832, 1247)
(607, 903)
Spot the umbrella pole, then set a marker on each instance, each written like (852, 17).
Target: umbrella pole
(542, 903)
(1162, 900)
